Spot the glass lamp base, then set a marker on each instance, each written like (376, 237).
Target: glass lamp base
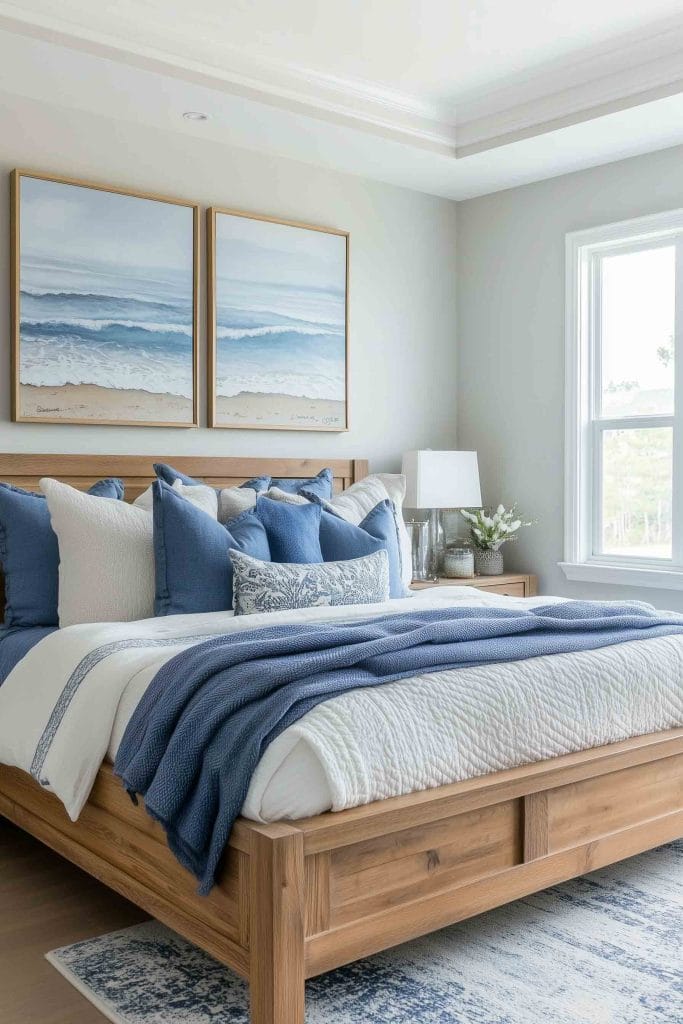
(436, 544)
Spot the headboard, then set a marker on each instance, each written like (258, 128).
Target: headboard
(81, 471)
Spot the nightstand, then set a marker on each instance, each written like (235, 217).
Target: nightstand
(514, 584)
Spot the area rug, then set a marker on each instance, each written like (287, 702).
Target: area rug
(602, 949)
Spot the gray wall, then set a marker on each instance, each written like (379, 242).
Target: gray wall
(511, 307)
(402, 294)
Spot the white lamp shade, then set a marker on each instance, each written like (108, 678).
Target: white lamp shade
(441, 479)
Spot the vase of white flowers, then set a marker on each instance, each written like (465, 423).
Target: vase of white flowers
(489, 531)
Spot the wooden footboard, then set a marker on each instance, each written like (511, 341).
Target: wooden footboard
(297, 899)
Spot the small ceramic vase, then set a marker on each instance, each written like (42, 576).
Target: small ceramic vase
(487, 562)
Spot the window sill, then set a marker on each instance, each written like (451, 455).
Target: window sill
(624, 575)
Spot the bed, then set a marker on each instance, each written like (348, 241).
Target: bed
(297, 898)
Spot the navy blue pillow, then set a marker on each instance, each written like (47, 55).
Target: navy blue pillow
(293, 530)
(29, 553)
(340, 540)
(193, 571)
(320, 485)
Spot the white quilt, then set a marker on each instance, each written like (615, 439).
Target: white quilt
(65, 706)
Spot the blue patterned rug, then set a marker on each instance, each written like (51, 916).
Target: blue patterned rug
(603, 949)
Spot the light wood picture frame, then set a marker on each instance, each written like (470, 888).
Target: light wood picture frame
(278, 323)
(104, 304)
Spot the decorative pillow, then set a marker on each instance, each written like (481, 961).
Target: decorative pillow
(356, 501)
(320, 485)
(106, 558)
(200, 495)
(193, 571)
(29, 553)
(340, 539)
(277, 494)
(257, 483)
(170, 475)
(233, 501)
(271, 587)
(293, 530)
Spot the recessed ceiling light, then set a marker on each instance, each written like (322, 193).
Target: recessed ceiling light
(195, 115)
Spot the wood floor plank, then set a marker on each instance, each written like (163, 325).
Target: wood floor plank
(45, 902)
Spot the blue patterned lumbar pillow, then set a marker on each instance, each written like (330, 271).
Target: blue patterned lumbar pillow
(193, 569)
(340, 539)
(277, 586)
(293, 530)
(29, 553)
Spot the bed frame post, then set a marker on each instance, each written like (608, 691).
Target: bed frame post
(276, 931)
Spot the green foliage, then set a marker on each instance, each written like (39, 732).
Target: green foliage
(489, 530)
(636, 491)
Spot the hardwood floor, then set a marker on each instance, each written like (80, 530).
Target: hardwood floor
(45, 903)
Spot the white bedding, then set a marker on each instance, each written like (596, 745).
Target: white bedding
(65, 706)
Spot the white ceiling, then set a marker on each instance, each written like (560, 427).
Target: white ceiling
(456, 98)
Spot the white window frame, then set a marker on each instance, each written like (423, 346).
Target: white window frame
(582, 444)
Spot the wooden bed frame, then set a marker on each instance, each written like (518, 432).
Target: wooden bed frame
(296, 899)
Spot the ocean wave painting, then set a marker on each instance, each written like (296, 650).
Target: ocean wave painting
(105, 305)
(279, 336)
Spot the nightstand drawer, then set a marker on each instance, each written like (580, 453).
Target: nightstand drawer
(510, 589)
(514, 584)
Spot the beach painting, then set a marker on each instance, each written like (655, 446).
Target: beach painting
(277, 324)
(104, 305)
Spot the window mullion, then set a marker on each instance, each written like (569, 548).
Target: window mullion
(596, 510)
(593, 497)
(677, 483)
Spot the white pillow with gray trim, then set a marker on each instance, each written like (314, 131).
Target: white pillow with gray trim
(277, 586)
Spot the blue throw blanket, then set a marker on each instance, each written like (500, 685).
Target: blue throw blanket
(206, 719)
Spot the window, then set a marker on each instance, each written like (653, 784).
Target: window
(624, 405)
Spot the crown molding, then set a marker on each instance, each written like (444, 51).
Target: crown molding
(360, 104)
(619, 77)
(630, 75)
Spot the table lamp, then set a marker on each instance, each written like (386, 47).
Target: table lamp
(438, 480)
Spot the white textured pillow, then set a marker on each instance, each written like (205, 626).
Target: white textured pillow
(233, 501)
(356, 501)
(106, 556)
(201, 495)
(287, 496)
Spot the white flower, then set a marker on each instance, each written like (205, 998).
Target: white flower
(487, 521)
(500, 510)
(516, 525)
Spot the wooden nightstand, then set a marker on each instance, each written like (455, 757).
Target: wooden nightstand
(514, 584)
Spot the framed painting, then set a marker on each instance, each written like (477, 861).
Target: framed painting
(104, 304)
(278, 323)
